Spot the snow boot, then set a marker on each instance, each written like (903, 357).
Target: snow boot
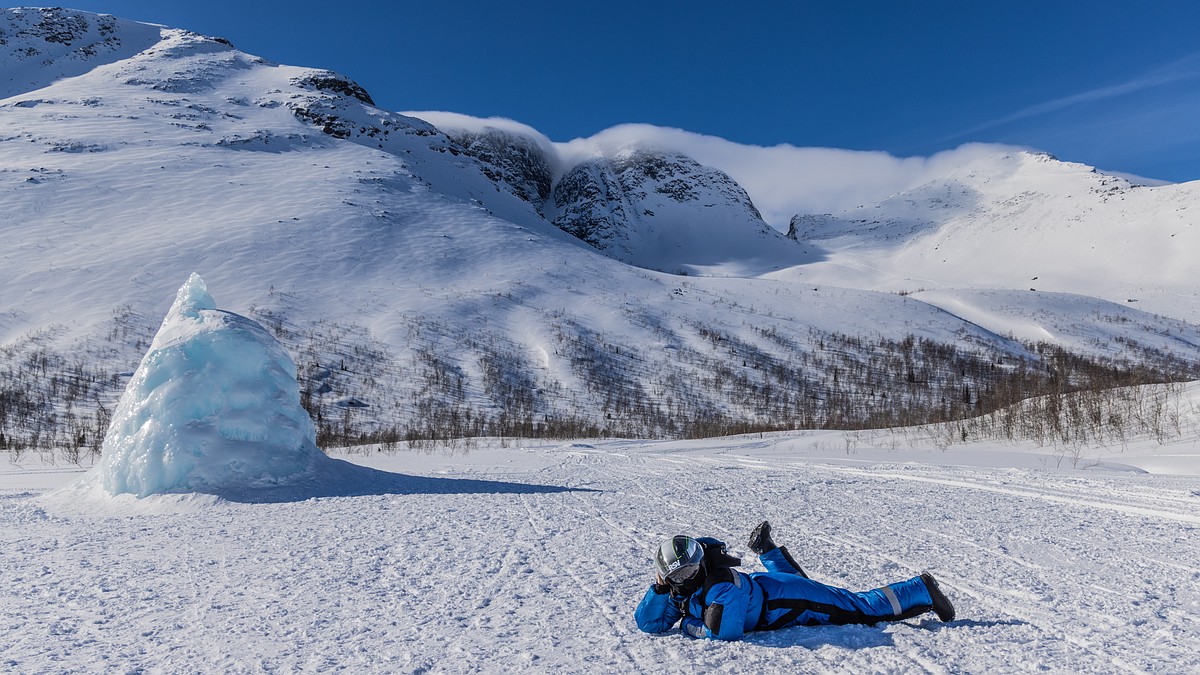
(760, 539)
(941, 604)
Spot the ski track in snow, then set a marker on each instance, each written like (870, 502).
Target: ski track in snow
(1050, 570)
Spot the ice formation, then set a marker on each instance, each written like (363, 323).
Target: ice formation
(214, 406)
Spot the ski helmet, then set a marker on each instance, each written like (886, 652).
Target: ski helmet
(678, 559)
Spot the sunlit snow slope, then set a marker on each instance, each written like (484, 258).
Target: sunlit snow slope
(1021, 220)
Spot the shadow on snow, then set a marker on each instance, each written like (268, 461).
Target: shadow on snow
(858, 636)
(342, 479)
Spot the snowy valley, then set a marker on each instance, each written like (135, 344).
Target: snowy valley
(538, 358)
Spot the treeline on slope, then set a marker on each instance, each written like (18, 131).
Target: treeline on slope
(716, 384)
(51, 404)
(708, 382)
(60, 405)
(848, 383)
(1072, 422)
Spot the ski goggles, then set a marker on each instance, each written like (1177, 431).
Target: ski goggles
(683, 574)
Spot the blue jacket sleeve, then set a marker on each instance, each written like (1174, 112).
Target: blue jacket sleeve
(656, 613)
(725, 616)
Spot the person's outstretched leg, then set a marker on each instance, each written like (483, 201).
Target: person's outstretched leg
(793, 600)
(774, 558)
(780, 561)
(783, 550)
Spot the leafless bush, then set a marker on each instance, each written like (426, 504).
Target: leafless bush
(687, 380)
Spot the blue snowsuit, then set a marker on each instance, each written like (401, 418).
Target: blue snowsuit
(732, 603)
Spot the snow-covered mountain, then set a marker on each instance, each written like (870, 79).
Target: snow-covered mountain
(40, 47)
(1020, 220)
(645, 206)
(666, 211)
(431, 274)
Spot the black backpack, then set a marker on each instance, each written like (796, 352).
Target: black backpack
(716, 556)
(719, 567)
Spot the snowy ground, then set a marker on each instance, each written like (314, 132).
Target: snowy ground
(533, 556)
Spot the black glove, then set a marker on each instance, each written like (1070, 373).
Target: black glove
(680, 601)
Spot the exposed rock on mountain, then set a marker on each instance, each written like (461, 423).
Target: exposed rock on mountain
(332, 82)
(590, 202)
(802, 227)
(331, 102)
(39, 46)
(650, 208)
(665, 211)
(514, 160)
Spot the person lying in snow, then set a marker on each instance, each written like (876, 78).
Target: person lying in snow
(696, 582)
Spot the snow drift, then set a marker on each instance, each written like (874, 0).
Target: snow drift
(214, 405)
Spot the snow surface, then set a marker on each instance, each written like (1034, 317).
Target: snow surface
(1080, 325)
(507, 556)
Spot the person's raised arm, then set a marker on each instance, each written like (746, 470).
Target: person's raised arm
(657, 612)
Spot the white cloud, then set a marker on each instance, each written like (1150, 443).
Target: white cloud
(457, 121)
(782, 180)
(450, 121)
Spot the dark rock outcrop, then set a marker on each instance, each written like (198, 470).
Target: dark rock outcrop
(515, 160)
(643, 198)
(337, 84)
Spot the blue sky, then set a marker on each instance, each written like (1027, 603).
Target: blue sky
(1112, 84)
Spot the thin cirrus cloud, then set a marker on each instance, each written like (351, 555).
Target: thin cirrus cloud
(1178, 71)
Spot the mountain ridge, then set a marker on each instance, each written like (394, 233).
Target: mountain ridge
(1028, 221)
